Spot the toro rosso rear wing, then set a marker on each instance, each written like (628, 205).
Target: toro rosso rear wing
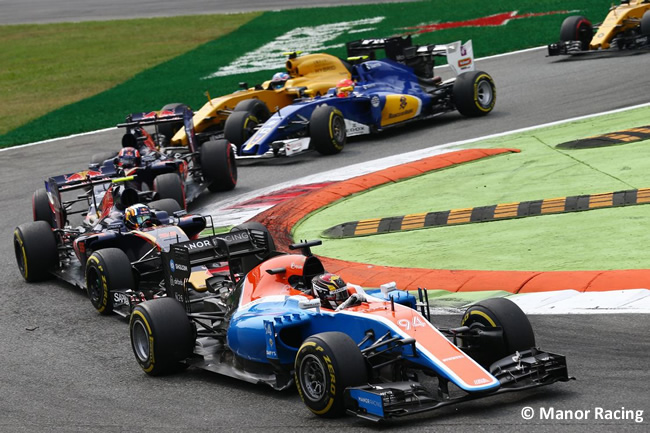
(180, 114)
(460, 57)
(231, 247)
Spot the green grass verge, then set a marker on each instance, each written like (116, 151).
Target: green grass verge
(58, 77)
(591, 240)
(47, 66)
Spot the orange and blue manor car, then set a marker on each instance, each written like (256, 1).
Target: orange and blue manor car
(281, 319)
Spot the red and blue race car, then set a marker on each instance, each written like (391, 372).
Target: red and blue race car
(369, 353)
(381, 94)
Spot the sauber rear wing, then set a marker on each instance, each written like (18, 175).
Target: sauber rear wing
(420, 57)
(231, 247)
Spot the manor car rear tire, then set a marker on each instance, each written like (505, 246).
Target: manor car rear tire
(327, 130)
(326, 364)
(107, 270)
(41, 207)
(577, 28)
(518, 333)
(161, 335)
(169, 185)
(36, 251)
(474, 94)
(218, 165)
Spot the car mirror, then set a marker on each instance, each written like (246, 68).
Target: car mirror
(309, 304)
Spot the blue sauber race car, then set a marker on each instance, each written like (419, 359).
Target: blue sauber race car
(280, 319)
(381, 94)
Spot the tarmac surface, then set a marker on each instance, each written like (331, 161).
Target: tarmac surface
(48, 11)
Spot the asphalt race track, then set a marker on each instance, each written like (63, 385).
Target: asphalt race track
(65, 368)
(50, 11)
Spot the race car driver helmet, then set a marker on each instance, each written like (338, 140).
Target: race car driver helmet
(128, 157)
(138, 216)
(344, 87)
(279, 80)
(330, 289)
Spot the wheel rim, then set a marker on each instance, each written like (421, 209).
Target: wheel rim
(312, 378)
(93, 283)
(20, 256)
(140, 338)
(249, 127)
(338, 129)
(484, 93)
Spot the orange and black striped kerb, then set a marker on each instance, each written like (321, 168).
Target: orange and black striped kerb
(495, 212)
(610, 139)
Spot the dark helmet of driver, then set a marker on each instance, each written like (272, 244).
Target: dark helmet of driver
(137, 216)
(330, 289)
(128, 157)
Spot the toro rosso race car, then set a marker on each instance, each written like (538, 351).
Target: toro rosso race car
(114, 252)
(381, 94)
(235, 116)
(626, 27)
(281, 319)
(181, 173)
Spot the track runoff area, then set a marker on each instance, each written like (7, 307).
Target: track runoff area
(560, 278)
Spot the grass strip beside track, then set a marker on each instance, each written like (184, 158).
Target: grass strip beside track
(599, 240)
(85, 58)
(48, 66)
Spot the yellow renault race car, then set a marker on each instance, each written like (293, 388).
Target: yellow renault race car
(626, 27)
(235, 116)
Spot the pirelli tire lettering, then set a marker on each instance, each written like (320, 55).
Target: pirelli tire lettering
(474, 94)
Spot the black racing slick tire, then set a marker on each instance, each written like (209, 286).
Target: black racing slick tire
(162, 336)
(645, 24)
(474, 93)
(168, 205)
(107, 270)
(255, 107)
(239, 127)
(577, 28)
(518, 333)
(169, 185)
(326, 364)
(36, 250)
(246, 116)
(169, 129)
(218, 165)
(327, 130)
(41, 209)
